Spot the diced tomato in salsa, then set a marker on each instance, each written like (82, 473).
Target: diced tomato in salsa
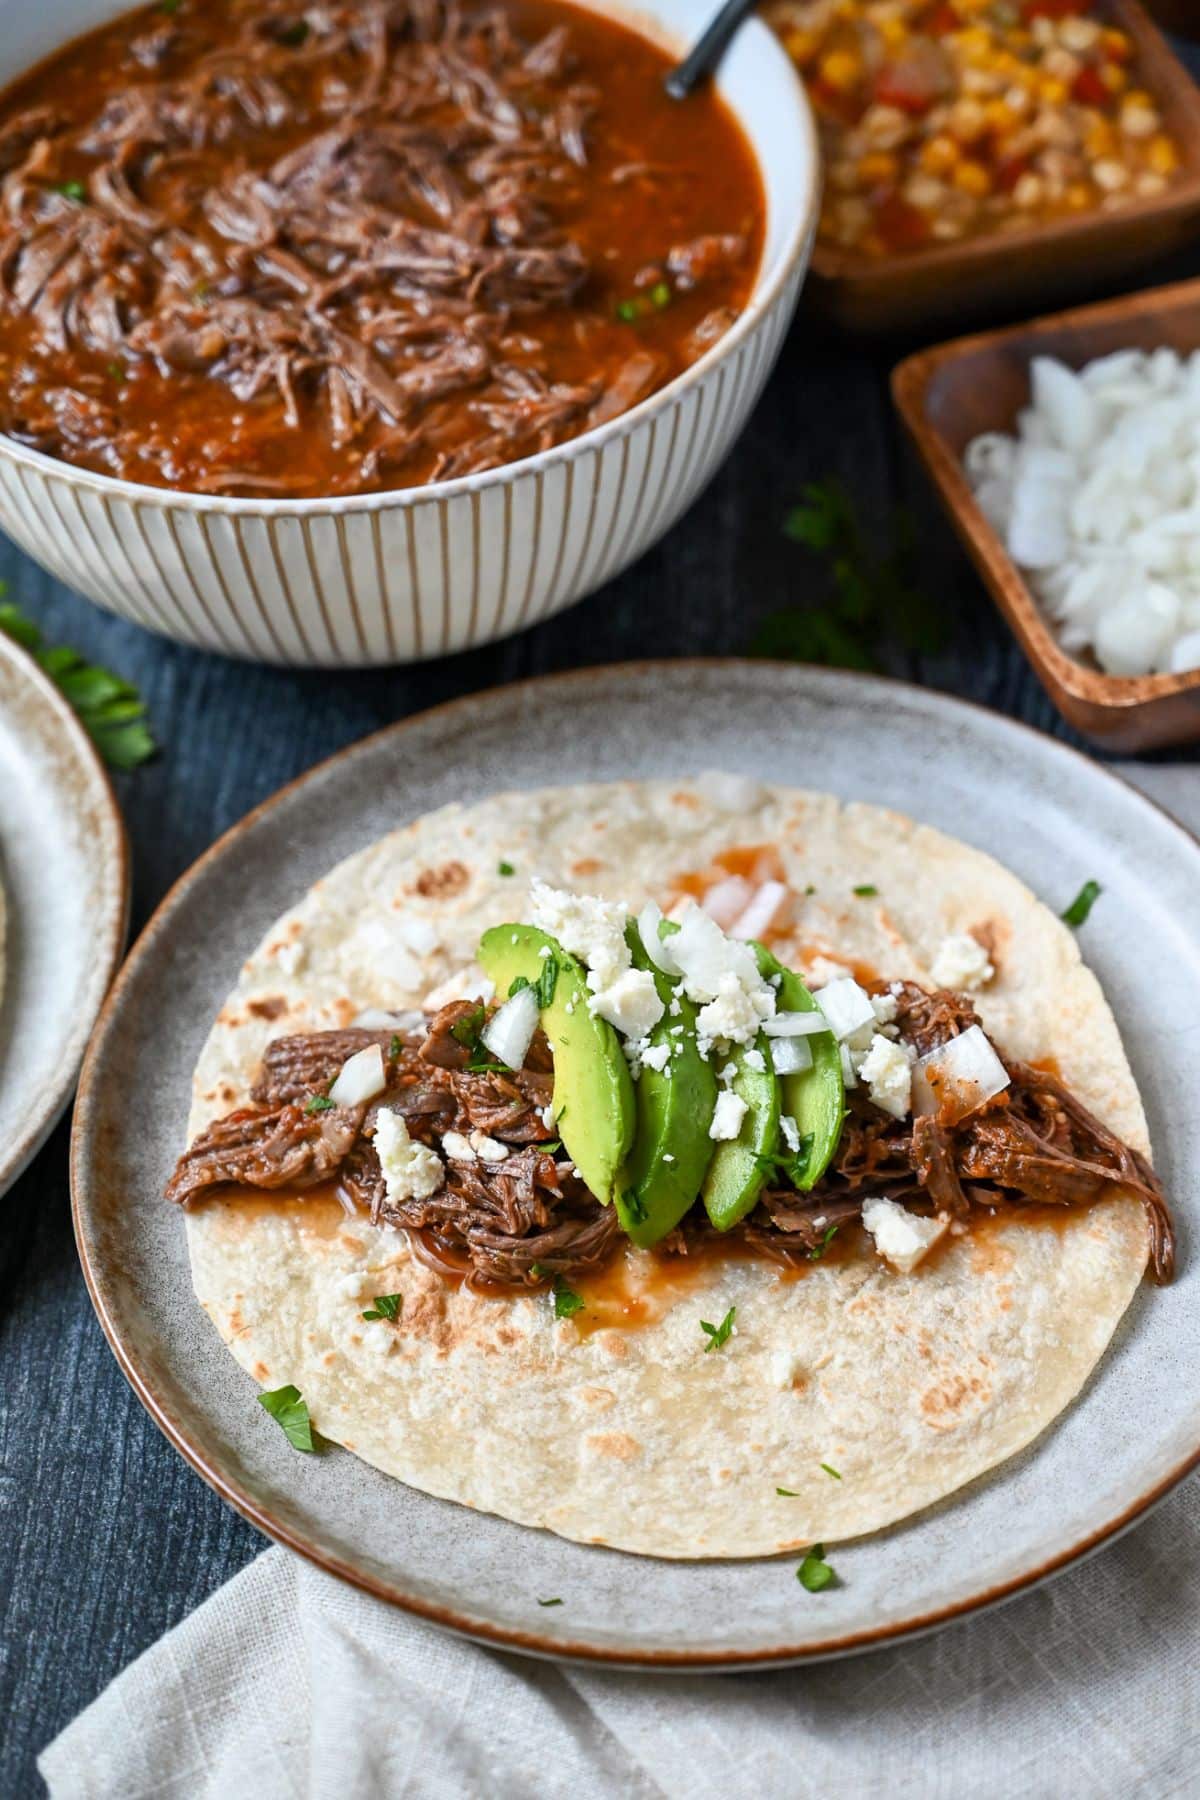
(901, 226)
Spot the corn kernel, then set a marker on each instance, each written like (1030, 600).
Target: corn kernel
(1118, 46)
(801, 46)
(1162, 155)
(1078, 196)
(841, 69)
(877, 169)
(1000, 117)
(1053, 91)
(972, 178)
(939, 155)
(1114, 77)
(894, 32)
(1099, 139)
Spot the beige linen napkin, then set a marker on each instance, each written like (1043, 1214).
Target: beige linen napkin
(287, 1685)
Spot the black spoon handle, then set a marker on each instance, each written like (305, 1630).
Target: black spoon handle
(706, 53)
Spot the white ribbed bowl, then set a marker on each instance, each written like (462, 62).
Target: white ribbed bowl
(385, 578)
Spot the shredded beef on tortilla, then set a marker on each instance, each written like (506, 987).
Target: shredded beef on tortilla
(525, 1220)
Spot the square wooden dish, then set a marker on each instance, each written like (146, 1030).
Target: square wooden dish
(948, 395)
(1055, 261)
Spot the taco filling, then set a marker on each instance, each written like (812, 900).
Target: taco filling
(735, 1106)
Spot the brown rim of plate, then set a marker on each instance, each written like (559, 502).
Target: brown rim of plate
(19, 1153)
(554, 1648)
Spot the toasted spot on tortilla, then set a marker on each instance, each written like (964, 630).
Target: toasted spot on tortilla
(441, 884)
(271, 1006)
(598, 1399)
(261, 1372)
(956, 1398)
(587, 865)
(617, 1444)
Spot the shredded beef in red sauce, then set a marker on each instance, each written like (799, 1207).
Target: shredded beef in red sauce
(526, 1220)
(257, 246)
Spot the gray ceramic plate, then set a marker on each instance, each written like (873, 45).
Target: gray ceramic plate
(66, 879)
(1050, 814)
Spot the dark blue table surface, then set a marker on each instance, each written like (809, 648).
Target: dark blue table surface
(106, 1537)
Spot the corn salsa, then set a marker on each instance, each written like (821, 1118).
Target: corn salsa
(945, 119)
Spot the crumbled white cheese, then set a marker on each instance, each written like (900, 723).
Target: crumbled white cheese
(901, 1237)
(457, 1147)
(848, 1009)
(656, 1056)
(885, 1008)
(411, 1171)
(675, 1009)
(734, 1014)
(728, 1116)
(594, 931)
(630, 1002)
(728, 1073)
(667, 1157)
(786, 1369)
(591, 929)
(961, 963)
(487, 1149)
(887, 1071)
(791, 1132)
(754, 1059)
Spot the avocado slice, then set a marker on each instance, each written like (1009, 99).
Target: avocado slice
(671, 1146)
(816, 1097)
(594, 1105)
(740, 1165)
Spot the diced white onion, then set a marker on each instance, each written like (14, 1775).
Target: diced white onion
(728, 900)
(796, 1024)
(656, 948)
(847, 1007)
(849, 1078)
(375, 1019)
(362, 1076)
(959, 1077)
(762, 911)
(791, 1055)
(509, 1032)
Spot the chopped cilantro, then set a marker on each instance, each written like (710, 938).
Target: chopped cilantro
(818, 1250)
(546, 983)
(505, 868)
(549, 1149)
(291, 1412)
(318, 1103)
(871, 597)
(810, 889)
(71, 190)
(294, 35)
(1082, 904)
(518, 984)
(465, 1031)
(718, 1334)
(830, 1471)
(484, 1063)
(793, 1165)
(555, 1602)
(814, 1572)
(661, 295)
(866, 891)
(386, 1306)
(788, 1493)
(566, 1301)
(110, 710)
(117, 371)
(395, 1044)
(628, 311)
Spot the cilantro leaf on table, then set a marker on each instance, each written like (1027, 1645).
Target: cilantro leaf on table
(872, 598)
(290, 1412)
(110, 710)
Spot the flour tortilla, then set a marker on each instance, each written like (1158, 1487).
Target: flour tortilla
(909, 1385)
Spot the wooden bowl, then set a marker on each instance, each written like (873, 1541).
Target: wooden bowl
(1057, 260)
(948, 395)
